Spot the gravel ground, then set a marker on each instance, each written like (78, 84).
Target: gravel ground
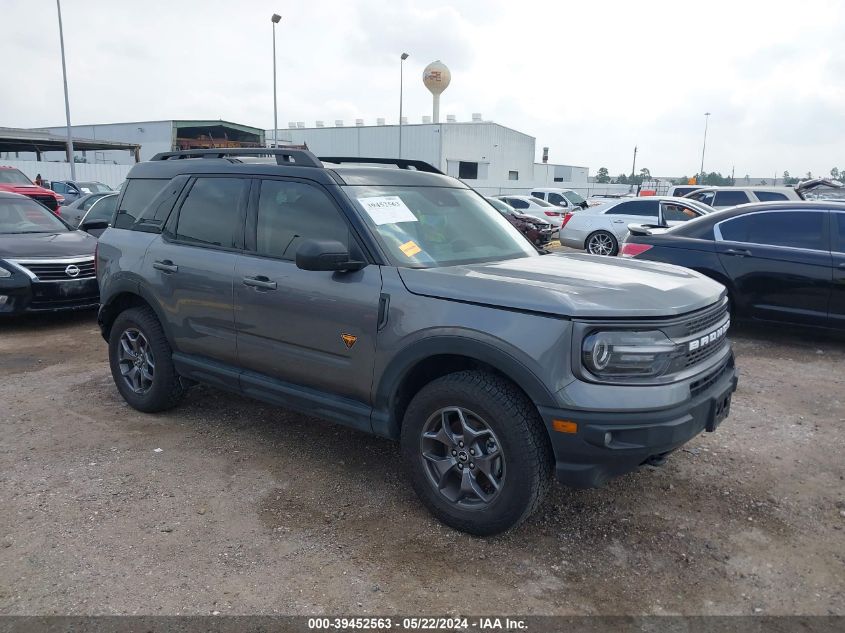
(228, 505)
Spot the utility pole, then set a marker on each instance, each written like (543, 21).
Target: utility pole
(704, 145)
(634, 166)
(67, 101)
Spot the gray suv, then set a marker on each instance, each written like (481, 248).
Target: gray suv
(385, 296)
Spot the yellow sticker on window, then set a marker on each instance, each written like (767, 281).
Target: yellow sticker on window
(410, 248)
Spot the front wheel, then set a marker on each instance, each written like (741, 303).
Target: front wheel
(141, 363)
(602, 243)
(477, 452)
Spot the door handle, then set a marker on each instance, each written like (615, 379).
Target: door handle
(740, 252)
(619, 221)
(261, 282)
(166, 266)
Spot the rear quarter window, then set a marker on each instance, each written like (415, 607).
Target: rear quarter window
(137, 195)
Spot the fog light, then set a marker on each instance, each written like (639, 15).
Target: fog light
(608, 438)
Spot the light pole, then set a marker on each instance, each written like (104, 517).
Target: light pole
(67, 101)
(275, 20)
(704, 146)
(402, 59)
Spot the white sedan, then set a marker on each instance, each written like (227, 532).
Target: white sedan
(599, 230)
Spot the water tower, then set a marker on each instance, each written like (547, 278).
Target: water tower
(436, 78)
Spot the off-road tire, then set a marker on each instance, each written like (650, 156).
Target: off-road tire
(524, 441)
(167, 388)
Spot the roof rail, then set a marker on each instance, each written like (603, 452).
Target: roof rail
(401, 163)
(284, 156)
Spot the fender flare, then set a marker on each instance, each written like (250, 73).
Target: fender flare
(384, 394)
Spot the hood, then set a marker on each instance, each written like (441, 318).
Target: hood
(70, 244)
(27, 190)
(571, 285)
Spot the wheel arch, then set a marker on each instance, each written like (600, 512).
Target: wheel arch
(129, 295)
(429, 359)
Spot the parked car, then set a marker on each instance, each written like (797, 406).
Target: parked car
(565, 198)
(780, 261)
(15, 181)
(76, 210)
(399, 302)
(724, 197)
(529, 205)
(71, 190)
(45, 264)
(537, 231)
(599, 230)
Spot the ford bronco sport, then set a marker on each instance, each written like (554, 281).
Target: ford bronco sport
(397, 301)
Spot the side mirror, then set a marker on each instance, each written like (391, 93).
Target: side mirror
(94, 225)
(328, 255)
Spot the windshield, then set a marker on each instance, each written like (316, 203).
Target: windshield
(14, 177)
(92, 187)
(25, 216)
(429, 227)
(574, 198)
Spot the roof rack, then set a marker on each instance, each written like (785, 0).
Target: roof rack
(401, 163)
(284, 156)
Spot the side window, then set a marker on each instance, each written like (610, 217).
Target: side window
(103, 209)
(289, 212)
(516, 203)
(539, 194)
(59, 187)
(770, 196)
(677, 213)
(137, 194)
(838, 222)
(209, 215)
(556, 198)
(796, 229)
(644, 208)
(730, 198)
(703, 196)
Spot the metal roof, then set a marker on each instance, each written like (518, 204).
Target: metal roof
(21, 140)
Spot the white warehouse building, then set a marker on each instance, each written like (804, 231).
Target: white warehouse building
(491, 157)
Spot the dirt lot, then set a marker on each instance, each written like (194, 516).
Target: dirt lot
(228, 505)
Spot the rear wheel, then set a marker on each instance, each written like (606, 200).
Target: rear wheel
(601, 243)
(141, 363)
(477, 452)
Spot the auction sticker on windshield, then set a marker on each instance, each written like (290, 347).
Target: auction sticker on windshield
(387, 209)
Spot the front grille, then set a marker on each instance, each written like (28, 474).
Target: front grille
(48, 201)
(58, 270)
(702, 320)
(703, 384)
(703, 353)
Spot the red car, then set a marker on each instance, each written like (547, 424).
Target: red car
(538, 232)
(15, 181)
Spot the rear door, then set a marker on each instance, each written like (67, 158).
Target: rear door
(632, 212)
(780, 263)
(729, 198)
(191, 266)
(311, 329)
(837, 296)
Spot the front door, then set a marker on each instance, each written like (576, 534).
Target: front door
(779, 262)
(191, 267)
(308, 329)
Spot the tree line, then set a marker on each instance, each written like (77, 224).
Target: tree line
(712, 179)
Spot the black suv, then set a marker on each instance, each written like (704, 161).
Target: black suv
(396, 300)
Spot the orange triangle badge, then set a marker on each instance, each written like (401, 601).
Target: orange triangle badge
(349, 340)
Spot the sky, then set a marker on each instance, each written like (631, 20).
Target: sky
(590, 80)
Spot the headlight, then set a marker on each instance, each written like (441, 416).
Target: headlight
(4, 273)
(629, 354)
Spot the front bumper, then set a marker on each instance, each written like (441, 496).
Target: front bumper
(24, 296)
(586, 459)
